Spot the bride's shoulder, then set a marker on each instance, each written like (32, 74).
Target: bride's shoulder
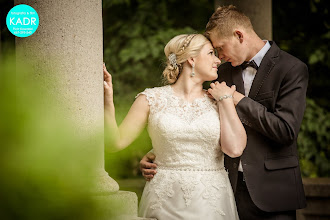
(155, 91)
(154, 96)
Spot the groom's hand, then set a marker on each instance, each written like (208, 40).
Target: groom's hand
(237, 97)
(147, 167)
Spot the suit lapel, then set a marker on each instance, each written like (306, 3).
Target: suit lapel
(264, 70)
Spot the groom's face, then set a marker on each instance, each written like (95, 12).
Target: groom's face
(229, 49)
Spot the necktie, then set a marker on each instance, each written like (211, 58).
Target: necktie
(251, 64)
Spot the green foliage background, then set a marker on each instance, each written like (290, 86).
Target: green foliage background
(314, 141)
(302, 28)
(136, 31)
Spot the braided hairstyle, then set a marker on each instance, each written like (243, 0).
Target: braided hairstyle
(178, 50)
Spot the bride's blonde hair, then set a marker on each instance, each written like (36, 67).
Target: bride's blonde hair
(178, 50)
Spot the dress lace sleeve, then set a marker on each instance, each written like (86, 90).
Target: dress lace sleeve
(149, 94)
(155, 97)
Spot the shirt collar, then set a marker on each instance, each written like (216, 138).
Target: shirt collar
(260, 55)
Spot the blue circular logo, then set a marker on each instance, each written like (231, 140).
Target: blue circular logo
(22, 20)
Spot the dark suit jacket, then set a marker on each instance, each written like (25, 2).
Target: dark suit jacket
(272, 116)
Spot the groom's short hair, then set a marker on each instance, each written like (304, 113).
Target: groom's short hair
(225, 19)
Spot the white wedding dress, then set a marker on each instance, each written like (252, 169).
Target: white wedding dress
(191, 182)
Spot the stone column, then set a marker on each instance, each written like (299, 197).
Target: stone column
(68, 48)
(259, 11)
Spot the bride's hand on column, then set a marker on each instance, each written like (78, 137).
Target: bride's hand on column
(108, 89)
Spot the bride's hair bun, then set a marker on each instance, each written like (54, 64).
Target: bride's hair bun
(171, 73)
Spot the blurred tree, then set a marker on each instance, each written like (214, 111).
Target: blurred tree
(302, 28)
(314, 141)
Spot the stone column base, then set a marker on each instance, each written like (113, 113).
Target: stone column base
(121, 203)
(317, 191)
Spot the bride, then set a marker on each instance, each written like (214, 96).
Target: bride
(184, 126)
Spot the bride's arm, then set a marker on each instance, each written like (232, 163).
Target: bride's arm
(132, 125)
(232, 133)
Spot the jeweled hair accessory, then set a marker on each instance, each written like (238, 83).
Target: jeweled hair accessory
(172, 59)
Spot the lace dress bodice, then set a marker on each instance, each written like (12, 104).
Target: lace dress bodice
(184, 135)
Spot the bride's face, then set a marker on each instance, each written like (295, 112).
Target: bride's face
(206, 63)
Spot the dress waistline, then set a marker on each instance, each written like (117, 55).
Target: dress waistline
(189, 169)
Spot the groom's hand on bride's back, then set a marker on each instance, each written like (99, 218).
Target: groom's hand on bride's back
(147, 166)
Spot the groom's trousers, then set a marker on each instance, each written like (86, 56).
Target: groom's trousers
(247, 210)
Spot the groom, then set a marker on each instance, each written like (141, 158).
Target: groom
(270, 101)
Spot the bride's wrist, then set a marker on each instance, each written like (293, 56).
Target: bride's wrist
(224, 97)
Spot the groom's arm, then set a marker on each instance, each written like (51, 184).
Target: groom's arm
(283, 124)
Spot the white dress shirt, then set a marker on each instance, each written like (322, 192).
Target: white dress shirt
(248, 75)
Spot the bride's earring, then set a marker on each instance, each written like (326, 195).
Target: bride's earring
(193, 70)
